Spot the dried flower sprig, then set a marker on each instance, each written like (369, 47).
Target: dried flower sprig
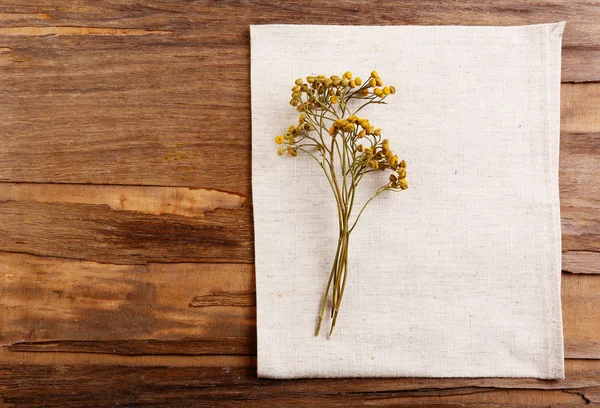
(346, 147)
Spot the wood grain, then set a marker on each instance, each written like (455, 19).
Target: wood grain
(178, 309)
(137, 108)
(204, 19)
(124, 155)
(109, 386)
(224, 298)
(46, 299)
(140, 224)
(189, 202)
(98, 233)
(581, 262)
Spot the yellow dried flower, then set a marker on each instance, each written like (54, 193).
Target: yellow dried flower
(322, 96)
(349, 127)
(392, 90)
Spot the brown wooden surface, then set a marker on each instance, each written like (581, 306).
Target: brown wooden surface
(126, 247)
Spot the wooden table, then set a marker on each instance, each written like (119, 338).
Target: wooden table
(126, 241)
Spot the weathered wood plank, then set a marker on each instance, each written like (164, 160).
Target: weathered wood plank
(99, 233)
(581, 262)
(580, 108)
(59, 305)
(579, 182)
(108, 386)
(189, 202)
(581, 315)
(47, 299)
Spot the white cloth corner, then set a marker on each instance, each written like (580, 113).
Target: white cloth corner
(458, 276)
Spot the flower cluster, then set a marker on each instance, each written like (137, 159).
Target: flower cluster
(319, 92)
(346, 147)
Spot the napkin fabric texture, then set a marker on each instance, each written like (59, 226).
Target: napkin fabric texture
(458, 276)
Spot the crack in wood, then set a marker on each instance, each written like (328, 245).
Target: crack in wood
(238, 346)
(184, 201)
(225, 298)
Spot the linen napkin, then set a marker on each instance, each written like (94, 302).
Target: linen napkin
(458, 276)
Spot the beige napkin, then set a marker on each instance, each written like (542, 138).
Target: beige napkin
(458, 276)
